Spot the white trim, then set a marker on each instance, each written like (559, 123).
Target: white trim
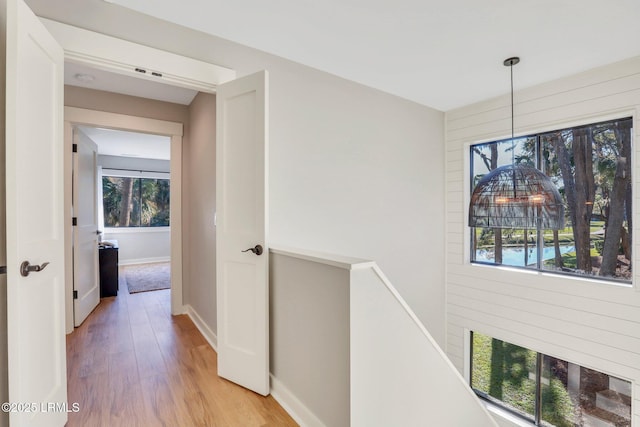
(144, 261)
(340, 261)
(131, 59)
(204, 329)
(466, 372)
(175, 219)
(81, 116)
(68, 228)
(104, 119)
(131, 173)
(294, 407)
(505, 416)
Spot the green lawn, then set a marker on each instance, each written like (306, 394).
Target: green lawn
(506, 372)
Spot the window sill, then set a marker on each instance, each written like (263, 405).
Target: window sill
(135, 230)
(552, 275)
(503, 417)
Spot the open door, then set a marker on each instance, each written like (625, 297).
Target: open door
(85, 231)
(34, 220)
(242, 258)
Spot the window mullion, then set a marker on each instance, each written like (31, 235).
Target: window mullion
(140, 202)
(538, 404)
(472, 249)
(539, 230)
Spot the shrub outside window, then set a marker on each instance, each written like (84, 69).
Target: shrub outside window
(545, 390)
(591, 166)
(135, 202)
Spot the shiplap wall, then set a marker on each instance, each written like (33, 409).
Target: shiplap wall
(591, 323)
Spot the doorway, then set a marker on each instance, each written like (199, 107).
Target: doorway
(111, 122)
(121, 208)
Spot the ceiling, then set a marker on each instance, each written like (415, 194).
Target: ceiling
(113, 142)
(444, 54)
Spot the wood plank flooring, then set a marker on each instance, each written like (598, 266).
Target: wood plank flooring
(133, 364)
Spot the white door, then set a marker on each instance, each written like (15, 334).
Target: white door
(85, 232)
(241, 203)
(35, 227)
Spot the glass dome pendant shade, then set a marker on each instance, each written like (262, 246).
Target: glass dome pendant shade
(516, 196)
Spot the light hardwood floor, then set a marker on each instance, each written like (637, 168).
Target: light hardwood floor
(133, 364)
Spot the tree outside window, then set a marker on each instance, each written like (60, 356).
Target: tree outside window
(591, 166)
(135, 202)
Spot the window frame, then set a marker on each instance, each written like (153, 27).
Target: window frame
(470, 241)
(536, 419)
(539, 232)
(498, 403)
(136, 174)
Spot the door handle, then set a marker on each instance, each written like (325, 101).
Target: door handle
(26, 268)
(257, 249)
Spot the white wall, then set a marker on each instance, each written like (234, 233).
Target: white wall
(360, 173)
(134, 163)
(591, 323)
(141, 246)
(309, 337)
(353, 171)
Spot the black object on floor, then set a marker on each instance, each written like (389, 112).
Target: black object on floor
(108, 256)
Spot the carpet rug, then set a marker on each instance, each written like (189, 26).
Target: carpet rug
(148, 277)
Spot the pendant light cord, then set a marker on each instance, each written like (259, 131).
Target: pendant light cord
(510, 62)
(511, 69)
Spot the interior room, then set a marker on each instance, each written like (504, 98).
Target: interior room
(134, 172)
(381, 289)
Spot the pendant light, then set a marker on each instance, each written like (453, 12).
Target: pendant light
(516, 196)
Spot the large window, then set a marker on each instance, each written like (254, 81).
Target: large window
(545, 390)
(591, 166)
(135, 202)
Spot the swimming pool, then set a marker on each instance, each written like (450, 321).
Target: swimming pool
(515, 256)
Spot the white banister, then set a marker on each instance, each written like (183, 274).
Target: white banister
(399, 374)
(348, 351)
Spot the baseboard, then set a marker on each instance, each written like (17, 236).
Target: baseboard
(122, 262)
(294, 407)
(298, 411)
(204, 329)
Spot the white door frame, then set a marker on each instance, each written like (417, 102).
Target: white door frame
(81, 116)
(116, 55)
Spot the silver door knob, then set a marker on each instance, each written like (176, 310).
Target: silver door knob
(257, 249)
(26, 268)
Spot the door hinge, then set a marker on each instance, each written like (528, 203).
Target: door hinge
(74, 221)
(75, 294)
(74, 148)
